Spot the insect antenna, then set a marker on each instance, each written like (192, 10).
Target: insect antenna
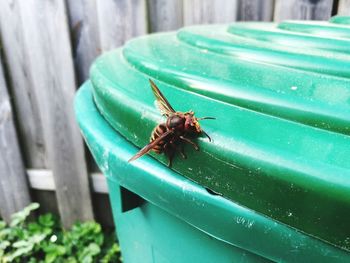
(206, 134)
(206, 118)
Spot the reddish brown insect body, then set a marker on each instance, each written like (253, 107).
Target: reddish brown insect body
(158, 131)
(166, 137)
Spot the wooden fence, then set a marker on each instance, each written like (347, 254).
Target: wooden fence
(47, 48)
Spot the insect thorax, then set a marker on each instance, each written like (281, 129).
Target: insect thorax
(175, 122)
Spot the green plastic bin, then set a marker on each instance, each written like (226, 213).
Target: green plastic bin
(275, 183)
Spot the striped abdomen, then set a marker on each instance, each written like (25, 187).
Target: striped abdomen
(157, 132)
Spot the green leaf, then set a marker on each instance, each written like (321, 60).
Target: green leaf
(34, 260)
(2, 224)
(20, 217)
(99, 239)
(112, 254)
(94, 249)
(46, 220)
(34, 227)
(43, 241)
(71, 260)
(18, 252)
(4, 244)
(60, 250)
(37, 238)
(5, 232)
(55, 249)
(89, 252)
(50, 257)
(17, 219)
(21, 243)
(32, 206)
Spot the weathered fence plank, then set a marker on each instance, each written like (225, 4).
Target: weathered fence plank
(14, 190)
(25, 104)
(85, 36)
(120, 20)
(303, 9)
(50, 66)
(208, 11)
(86, 44)
(344, 8)
(165, 15)
(255, 10)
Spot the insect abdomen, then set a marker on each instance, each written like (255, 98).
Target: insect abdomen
(157, 132)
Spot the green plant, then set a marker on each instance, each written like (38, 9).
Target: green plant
(43, 240)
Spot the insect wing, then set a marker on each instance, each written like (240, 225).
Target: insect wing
(162, 102)
(150, 146)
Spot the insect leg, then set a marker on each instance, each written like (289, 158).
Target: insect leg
(195, 146)
(180, 149)
(169, 152)
(170, 155)
(182, 152)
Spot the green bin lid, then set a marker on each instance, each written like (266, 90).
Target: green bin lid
(222, 219)
(281, 97)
